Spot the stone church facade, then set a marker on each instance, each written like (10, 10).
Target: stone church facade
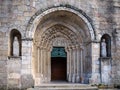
(46, 40)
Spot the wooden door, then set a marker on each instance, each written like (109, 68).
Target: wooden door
(58, 68)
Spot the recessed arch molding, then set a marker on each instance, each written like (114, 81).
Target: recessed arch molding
(35, 19)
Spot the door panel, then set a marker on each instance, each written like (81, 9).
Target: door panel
(58, 68)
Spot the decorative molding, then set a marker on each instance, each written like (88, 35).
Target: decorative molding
(35, 19)
(15, 57)
(58, 31)
(104, 58)
(27, 39)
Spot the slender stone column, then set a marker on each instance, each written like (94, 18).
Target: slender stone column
(41, 64)
(38, 60)
(78, 65)
(45, 65)
(74, 65)
(70, 65)
(81, 76)
(47, 60)
(49, 66)
(68, 49)
(36, 66)
(34, 62)
(43, 61)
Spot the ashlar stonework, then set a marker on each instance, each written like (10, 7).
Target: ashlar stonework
(77, 26)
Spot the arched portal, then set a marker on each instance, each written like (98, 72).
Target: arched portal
(62, 28)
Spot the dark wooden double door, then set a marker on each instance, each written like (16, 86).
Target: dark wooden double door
(58, 68)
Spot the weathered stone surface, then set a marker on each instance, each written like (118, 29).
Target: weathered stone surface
(84, 19)
(27, 81)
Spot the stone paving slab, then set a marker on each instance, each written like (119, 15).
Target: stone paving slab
(109, 89)
(67, 89)
(63, 87)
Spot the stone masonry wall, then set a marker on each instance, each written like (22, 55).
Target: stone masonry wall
(116, 43)
(15, 14)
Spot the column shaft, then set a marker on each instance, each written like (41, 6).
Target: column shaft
(81, 66)
(38, 60)
(41, 64)
(74, 65)
(78, 66)
(70, 65)
(78, 63)
(49, 66)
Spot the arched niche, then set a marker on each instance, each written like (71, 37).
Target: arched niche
(15, 36)
(107, 39)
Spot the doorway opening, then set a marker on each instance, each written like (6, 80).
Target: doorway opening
(58, 64)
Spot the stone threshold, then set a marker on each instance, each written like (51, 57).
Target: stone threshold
(63, 86)
(109, 89)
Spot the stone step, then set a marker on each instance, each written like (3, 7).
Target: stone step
(63, 87)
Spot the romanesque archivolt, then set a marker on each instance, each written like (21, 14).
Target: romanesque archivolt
(59, 31)
(15, 43)
(70, 32)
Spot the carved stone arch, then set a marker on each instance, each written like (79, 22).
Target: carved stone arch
(61, 42)
(79, 32)
(70, 26)
(35, 20)
(59, 31)
(44, 35)
(51, 39)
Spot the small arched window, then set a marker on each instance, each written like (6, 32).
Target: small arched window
(105, 46)
(15, 43)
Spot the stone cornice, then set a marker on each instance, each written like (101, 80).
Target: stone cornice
(27, 39)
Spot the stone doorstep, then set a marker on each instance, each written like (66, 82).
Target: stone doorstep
(63, 87)
(109, 89)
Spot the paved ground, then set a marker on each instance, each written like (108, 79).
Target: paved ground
(76, 89)
(109, 89)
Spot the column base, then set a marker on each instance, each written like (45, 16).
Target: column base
(95, 79)
(69, 78)
(73, 78)
(38, 81)
(77, 79)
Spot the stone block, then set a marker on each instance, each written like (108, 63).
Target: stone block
(14, 83)
(27, 14)
(3, 67)
(14, 76)
(27, 80)
(3, 75)
(17, 13)
(25, 71)
(26, 66)
(3, 81)
(14, 66)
